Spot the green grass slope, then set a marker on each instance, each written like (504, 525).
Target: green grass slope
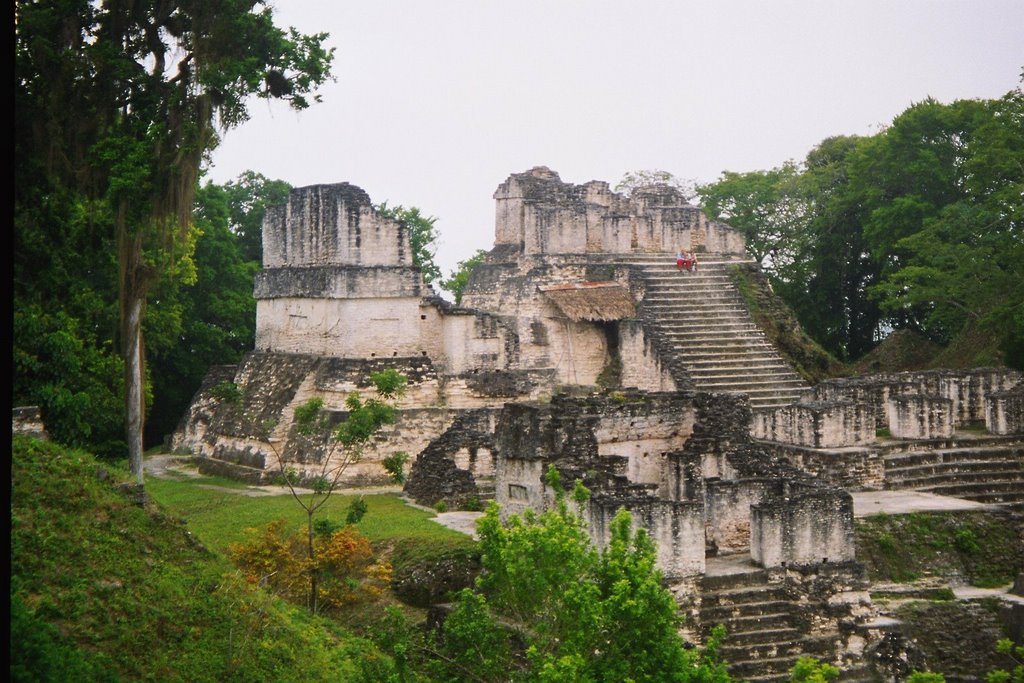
(103, 589)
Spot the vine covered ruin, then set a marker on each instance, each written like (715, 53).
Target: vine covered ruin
(579, 345)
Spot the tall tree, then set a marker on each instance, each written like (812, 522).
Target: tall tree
(119, 102)
(248, 198)
(767, 206)
(422, 237)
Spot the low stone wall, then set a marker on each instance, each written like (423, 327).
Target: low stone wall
(677, 529)
(1004, 411)
(819, 424)
(458, 466)
(967, 390)
(917, 416)
(28, 420)
(805, 528)
(850, 468)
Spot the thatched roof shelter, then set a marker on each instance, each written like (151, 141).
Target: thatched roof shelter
(591, 300)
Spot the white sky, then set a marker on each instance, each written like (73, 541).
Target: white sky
(436, 102)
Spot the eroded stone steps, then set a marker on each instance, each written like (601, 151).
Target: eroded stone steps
(895, 462)
(993, 472)
(702, 318)
(999, 491)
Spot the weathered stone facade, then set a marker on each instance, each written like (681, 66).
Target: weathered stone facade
(339, 297)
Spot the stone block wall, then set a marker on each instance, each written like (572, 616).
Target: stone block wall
(803, 528)
(920, 417)
(677, 529)
(28, 420)
(332, 225)
(1004, 411)
(821, 424)
(539, 214)
(965, 389)
(643, 363)
(727, 507)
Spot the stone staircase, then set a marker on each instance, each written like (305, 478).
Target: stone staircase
(703, 321)
(989, 471)
(766, 633)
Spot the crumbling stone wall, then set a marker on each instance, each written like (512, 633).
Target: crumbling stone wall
(1004, 411)
(28, 420)
(458, 466)
(966, 389)
(819, 424)
(802, 527)
(539, 214)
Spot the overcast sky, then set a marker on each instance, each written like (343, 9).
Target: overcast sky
(436, 102)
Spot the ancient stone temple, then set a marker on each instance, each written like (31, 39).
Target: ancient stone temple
(580, 345)
(580, 289)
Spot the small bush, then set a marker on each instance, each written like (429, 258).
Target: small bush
(966, 541)
(473, 505)
(356, 511)
(394, 464)
(441, 506)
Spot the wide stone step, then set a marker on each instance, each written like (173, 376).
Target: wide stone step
(758, 370)
(750, 577)
(723, 613)
(758, 593)
(983, 471)
(817, 645)
(996, 489)
(787, 634)
(704, 328)
(747, 669)
(740, 362)
(896, 461)
(747, 385)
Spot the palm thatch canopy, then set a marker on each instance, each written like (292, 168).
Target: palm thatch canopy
(591, 300)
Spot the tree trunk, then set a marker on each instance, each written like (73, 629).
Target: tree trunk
(132, 294)
(313, 588)
(133, 397)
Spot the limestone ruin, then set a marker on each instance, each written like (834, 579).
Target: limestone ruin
(580, 345)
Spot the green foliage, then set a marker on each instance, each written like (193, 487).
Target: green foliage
(356, 511)
(394, 464)
(227, 392)
(767, 207)
(71, 375)
(577, 614)
(810, 670)
(459, 278)
(247, 199)
(1015, 653)
(916, 227)
(441, 506)
(103, 589)
(422, 237)
(925, 677)
(982, 547)
(117, 107)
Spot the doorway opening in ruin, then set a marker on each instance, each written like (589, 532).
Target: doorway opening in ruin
(611, 374)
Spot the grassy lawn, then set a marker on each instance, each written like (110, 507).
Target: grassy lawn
(219, 518)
